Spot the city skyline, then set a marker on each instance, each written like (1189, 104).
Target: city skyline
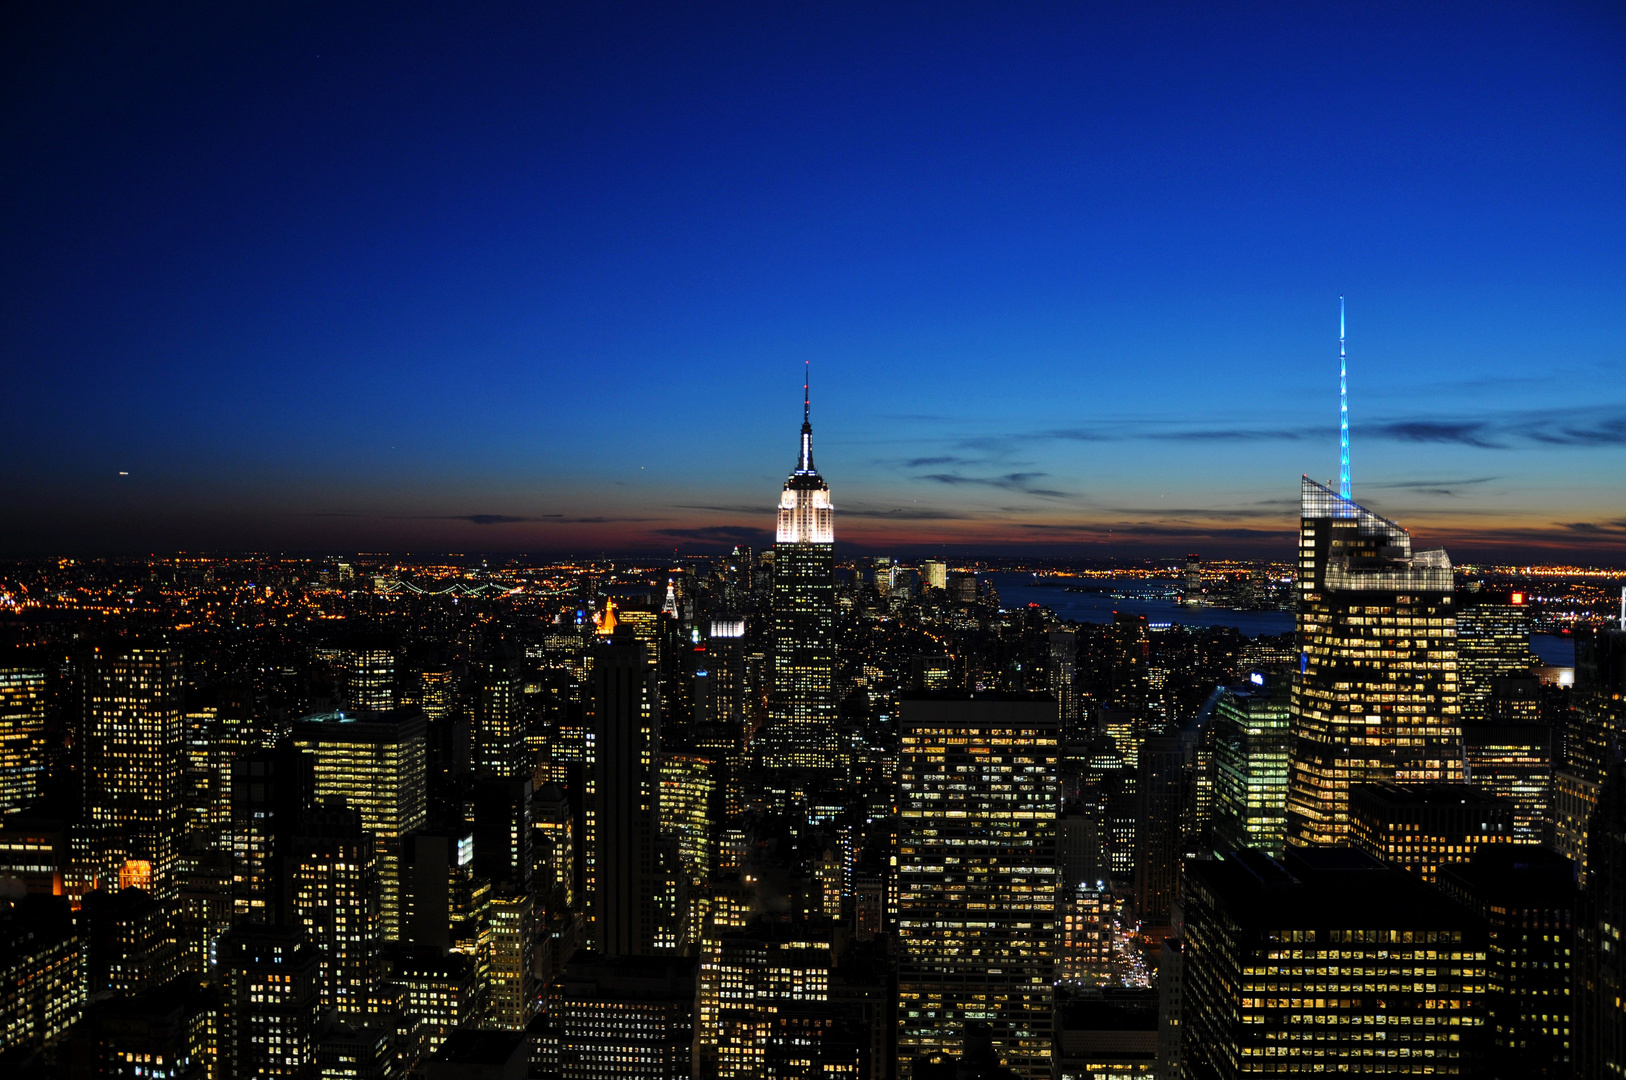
(255, 301)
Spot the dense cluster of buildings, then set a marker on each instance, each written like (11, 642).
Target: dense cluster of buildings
(776, 814)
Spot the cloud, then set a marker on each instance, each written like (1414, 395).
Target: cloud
(947, 459)
(901, 513)
(1608, 431)
(1239, 434)
(720, 534)
(1463, 432)
(1432, 485)
(489, 519)
(1016, 481)
(1608, 528)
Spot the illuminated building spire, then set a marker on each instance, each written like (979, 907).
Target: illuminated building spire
(804, 463)
(1343, 408)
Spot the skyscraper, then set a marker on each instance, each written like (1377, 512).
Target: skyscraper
(1250, 766)
(369, 676)
(1493, 640)
(1375, 697)
(375, 763)
(271, 979)
(622, 801)
(22, 737)
(1327, 961)
(132, 761)
(500, 734)
(978, 792)
(333, 888)
(802, 709)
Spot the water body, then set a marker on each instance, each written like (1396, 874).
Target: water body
(1019, 590)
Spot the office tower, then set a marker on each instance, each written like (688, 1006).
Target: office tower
(1375, 697)
(555, 848)
(933, 574)
(1251, 754)
(687, 797)
(205, 770)
(511, 990)
(1422, 827)
(503, 828)
(375, 763)
(1062, 661)
(128, 945)
(881, 571)
(827, 1038)
(443, 902)
(621, 801)
(499, 737)
(368, 670)
(204, 912)
(1493, 640)
(1132, 714)
(42, 978)
(162, 1034)
(1514, 762)
(725, 662)
(355, 1052)
(1526, 896)
(132, 761)
(1194, 579)
(270, 792)
(1600, 989)
(802, 708)
(35, 853)
(1171, 992)
(22, 737)
(271, 980)
(1514, 699)
(435, 692)
(1085, 955)
(440, 989)
(1107, 1032)
(978, 792)
(334, 894)
(628, 1016)
(1597, 725)
(760, 971)
(1327, 960)
(1161, 791)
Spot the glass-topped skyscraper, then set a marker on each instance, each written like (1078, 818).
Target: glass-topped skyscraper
(1375, 697)
(801, 730)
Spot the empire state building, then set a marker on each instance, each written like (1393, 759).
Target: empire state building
(801, 732)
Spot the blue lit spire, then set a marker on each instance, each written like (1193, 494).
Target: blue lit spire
(1343, 408)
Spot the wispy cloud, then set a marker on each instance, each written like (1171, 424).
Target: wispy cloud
(720, 534)
(1016, 481)
(1465, 432)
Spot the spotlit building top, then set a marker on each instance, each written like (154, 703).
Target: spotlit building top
(805, 513)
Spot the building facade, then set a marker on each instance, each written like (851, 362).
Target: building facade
(976, 877)
(801, 732)
(1375, 697)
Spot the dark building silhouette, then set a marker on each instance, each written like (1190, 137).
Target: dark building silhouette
(1527, 897)
(622, 800)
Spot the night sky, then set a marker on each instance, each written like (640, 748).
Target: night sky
(543, 277)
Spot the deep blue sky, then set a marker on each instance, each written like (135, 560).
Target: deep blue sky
(544, 276)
